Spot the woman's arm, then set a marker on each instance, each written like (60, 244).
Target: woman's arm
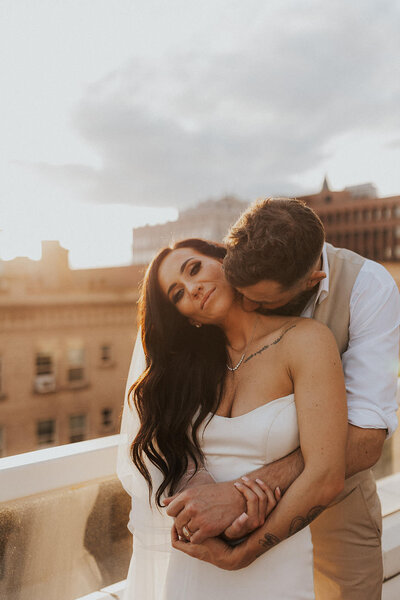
(315, 367)
(320, 396)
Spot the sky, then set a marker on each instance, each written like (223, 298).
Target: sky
(117, 113)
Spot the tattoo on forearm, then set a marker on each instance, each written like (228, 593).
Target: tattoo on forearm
(299, 522)
(268, 345)
(270, 540)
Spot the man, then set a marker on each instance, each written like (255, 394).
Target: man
(278, 261)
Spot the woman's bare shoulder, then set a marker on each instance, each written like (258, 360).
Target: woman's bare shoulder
(309, 334)
(295, 331)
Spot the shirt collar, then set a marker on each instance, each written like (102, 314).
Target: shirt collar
(323, 286)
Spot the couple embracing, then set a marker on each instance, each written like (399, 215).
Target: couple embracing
(264, 394)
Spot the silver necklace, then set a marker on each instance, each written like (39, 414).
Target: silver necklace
(235, 368)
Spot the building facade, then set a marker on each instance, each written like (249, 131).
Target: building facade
(210, 220)
(66, 340)
(355, 218)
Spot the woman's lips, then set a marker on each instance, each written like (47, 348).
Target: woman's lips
(205, 299)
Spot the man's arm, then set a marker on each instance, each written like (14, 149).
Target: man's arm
(212, 508)
(364, 448)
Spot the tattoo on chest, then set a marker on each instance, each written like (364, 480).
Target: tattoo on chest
(268, 345)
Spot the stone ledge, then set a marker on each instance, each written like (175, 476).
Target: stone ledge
(111, 592)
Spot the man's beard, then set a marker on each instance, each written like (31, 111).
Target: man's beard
(293, 308)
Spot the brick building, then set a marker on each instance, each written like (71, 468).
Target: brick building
(357, 219)
(66, 339)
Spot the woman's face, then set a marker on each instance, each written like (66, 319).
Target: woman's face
(196, 285)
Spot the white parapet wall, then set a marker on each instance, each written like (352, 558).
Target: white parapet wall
(59, 467)
(70, 466)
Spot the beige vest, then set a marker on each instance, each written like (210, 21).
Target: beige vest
(334, 310)
(346, 536)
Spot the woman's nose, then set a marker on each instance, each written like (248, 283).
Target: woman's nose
(195, 289)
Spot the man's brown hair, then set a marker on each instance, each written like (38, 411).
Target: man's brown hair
(279, 239)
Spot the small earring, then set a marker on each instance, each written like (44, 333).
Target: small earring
(196, 325)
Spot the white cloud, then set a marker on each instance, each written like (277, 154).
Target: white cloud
(248, 119)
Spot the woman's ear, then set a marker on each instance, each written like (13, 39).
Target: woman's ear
(194, 323)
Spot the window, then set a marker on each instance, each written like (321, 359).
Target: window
(106, 417)
(46, 432)
(77, 428)
(1, 378)
(45, 378)
(1, 441)
(105, 355)
(44, 364)
(76, 366)
(366, 215)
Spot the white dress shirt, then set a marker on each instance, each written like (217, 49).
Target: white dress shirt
(370, 362)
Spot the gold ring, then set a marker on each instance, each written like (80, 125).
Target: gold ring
(186, 531)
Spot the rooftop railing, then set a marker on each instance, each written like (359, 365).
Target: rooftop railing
(63, 525)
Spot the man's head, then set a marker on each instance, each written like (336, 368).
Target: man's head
(274, 254)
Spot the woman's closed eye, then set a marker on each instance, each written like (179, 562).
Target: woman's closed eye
(177, 296)
(195, 268)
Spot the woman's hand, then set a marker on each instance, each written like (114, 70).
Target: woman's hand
(260, 501)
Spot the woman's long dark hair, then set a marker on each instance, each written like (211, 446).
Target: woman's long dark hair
(183, 381)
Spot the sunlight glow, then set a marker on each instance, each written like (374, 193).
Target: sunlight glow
(96, 235)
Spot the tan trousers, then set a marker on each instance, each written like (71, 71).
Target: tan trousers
(347, 544)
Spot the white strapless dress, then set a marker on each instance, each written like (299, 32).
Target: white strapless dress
(232, 446)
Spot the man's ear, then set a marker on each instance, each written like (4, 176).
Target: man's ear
(315, 278)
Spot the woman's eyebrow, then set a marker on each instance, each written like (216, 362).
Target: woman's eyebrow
(183, 265)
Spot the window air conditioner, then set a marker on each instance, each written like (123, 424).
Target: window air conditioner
(45, 384)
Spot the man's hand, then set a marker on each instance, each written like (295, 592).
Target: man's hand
(215, 551)
(206, 510)
(259, 502)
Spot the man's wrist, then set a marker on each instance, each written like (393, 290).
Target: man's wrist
(237, 498)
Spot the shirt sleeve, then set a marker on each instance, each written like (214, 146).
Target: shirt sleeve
(370, 362)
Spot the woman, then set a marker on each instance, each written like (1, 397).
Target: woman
(228, 391)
